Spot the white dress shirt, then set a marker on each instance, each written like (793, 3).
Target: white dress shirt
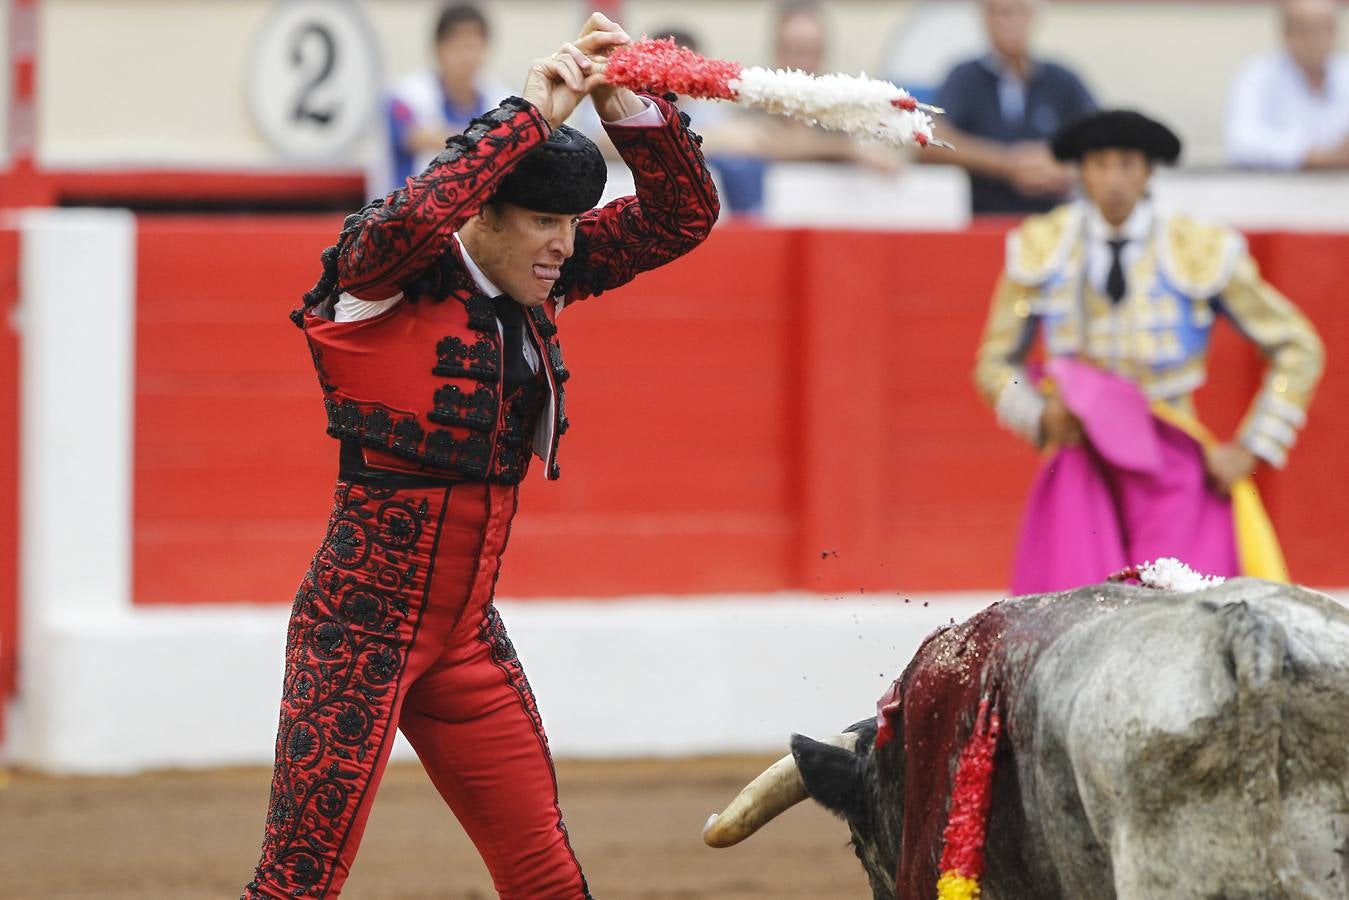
(1274, 118)
(1136, 230)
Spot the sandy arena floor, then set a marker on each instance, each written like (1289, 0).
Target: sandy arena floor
(194, 836)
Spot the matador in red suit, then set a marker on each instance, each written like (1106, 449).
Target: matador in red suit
(433, 332)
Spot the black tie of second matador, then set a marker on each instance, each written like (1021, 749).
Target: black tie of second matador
(1114, 282)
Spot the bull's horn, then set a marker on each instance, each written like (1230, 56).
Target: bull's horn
(777, 789)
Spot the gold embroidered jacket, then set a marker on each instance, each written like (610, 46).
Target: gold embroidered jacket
(1187, 275)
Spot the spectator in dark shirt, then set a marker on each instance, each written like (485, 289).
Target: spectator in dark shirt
(1001, 110)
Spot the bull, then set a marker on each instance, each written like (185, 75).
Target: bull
(1154, 745)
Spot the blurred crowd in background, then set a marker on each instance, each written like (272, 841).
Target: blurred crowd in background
(1287, 110)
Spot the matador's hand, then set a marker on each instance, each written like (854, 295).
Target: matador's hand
(557, 83)
(1058, 426)
(1227, 464)
(599, 36)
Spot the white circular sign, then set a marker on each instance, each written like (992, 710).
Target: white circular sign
(314, 80)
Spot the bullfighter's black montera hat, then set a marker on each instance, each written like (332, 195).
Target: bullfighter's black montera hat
(564, 175)
(1121, 129)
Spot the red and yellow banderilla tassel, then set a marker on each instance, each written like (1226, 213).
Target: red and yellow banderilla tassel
(962, 858)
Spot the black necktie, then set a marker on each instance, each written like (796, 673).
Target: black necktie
(515, 368)
(1114, 282)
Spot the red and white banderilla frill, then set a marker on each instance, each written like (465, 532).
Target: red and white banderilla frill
(856, 105)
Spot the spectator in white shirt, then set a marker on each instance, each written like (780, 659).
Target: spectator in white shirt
(1290, 110)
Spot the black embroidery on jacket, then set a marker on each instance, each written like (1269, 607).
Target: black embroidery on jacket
(468, 457)
(560, 373)
(402, 435)
(407, 438)
(457, 359)
(482, 316)
(344, 418)
(545, 325)
(378, 425)
(455, 407)
(563, 423)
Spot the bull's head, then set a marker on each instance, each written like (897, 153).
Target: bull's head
(844, 775)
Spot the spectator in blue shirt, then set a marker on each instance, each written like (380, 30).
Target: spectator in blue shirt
(427, 107)
(1001, 111)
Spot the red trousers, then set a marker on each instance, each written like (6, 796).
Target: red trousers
(394, 626)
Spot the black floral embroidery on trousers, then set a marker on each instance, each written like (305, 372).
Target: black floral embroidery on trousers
(352, 625)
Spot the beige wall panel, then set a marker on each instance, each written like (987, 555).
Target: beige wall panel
(1174, 60)
(137, 81)
(743, 30)
(162, 82)
(4, 82)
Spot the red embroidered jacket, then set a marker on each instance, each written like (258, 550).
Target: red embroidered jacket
(419, 386)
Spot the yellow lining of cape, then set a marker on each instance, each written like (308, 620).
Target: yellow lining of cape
(1258, 547)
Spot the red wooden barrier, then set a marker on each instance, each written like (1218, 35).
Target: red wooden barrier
(232, 470)
(676, 475)
(1310, 499)
(779, 410)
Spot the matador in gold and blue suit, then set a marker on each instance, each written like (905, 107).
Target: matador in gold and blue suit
(1123, 298)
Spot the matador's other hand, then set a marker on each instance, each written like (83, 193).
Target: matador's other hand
(599, 36)
(1227, 464)
(1058, 426)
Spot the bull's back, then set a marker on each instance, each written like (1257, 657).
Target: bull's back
(1195, 744)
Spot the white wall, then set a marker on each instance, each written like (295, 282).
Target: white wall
(161, 82)
(75, 446)
(197, 687)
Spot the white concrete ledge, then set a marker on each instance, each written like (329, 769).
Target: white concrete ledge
(155, 687)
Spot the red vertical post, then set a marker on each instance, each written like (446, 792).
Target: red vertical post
(20, 185)
(9, 466)
(20, 182)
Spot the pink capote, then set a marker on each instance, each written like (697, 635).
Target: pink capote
(1134, 492)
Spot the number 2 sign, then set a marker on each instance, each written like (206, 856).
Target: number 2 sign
(314, 78)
